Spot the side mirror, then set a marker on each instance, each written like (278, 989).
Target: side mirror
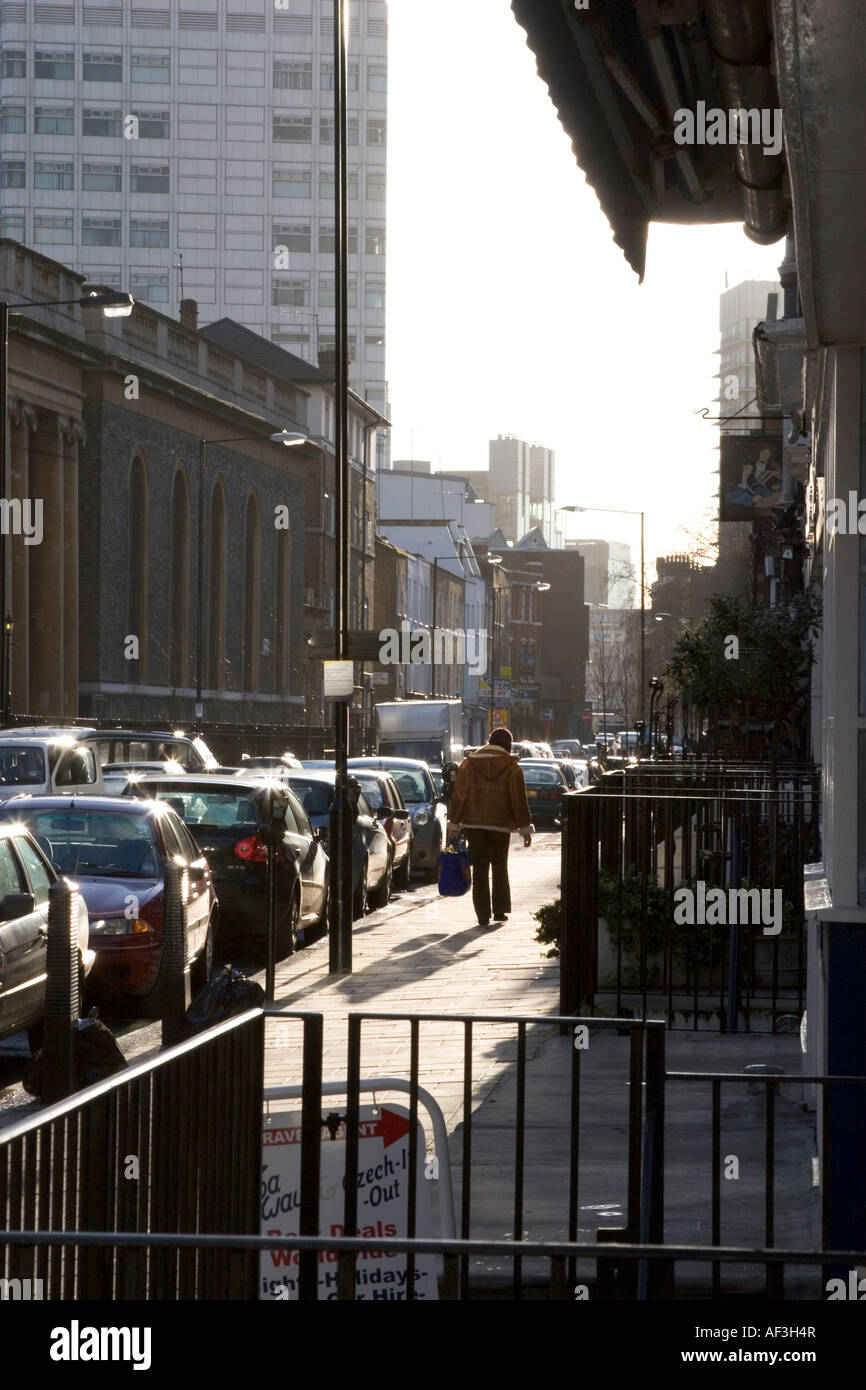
(14, 905)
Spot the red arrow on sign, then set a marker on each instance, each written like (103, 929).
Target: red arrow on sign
(393, 1126)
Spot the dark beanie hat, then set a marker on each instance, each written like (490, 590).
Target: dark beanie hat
(502, 738)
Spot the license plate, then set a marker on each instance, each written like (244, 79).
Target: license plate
(531, 793)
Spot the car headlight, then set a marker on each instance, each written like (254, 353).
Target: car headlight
(421, 818)
(119, 926)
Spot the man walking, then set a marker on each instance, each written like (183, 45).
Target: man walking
(489, 802)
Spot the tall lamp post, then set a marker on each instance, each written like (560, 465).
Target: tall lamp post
(621, 511)
(114, 304)
(287, 437)
(8, 629)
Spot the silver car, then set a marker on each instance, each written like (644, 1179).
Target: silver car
(425, 806)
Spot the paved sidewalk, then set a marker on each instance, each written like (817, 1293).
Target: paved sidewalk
(425, 954)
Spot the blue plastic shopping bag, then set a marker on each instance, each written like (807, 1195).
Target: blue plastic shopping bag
(455, 873)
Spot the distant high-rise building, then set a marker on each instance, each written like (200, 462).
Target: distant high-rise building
(609, 577)
(189, 152)
(741, 308)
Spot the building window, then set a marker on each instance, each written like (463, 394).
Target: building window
(292, 129)
(100, 231)
(13, 173)
(328, 188)
(12, 225)
(153, 125)
(377, 77)
(377, 130)
(376, 185)
(102, 67)
(374, 294)
(150, 66)
(148, 231)
(150, 285)
(291, 182)
(13, 120)
(328, 238)
(54, 120)
(295, 236)
(53, 173)
(326, 130)
(326, 77)
(179, 602)
(252, 591)
(136, 561)
(14, 62)
(58, 66)
(101, 178)
(374, 347)
(292, 293)
(53, 229)
(374, 241)
(297, 77)
(148, 178)
(216, 627)
(328, 293)
(102, 120)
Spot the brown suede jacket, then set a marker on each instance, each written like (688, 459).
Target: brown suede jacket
(490, 793)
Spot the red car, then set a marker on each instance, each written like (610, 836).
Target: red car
(116, 852)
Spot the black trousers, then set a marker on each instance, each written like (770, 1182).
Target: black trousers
(488, 849)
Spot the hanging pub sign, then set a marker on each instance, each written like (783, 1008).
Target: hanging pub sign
(750, 475)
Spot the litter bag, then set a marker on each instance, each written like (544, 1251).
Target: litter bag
(226, 994)
(455, 872)
(94, 1050)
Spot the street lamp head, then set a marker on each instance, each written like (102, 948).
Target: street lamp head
(288, 437)
(542, 586)
(9, 625)
(494, 559)
(115, 304)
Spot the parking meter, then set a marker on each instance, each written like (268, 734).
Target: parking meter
(353, 791)
(273, 814)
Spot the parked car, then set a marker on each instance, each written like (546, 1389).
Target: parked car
(546, 785)
(386, 802)
(568, 748)
(574, 773)
(116, 850)
(371, 848)
(272, 767)
(55, 764)
(128, 745)
(25, 878)
(429, 816)
(115, 776)
(318, 762)
(224, 815)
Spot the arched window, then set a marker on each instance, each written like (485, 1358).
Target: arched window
(216, 591)
(282, 605)
(136, 573)
(179, 581)
(252, 594)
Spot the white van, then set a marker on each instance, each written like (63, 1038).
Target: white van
(48, 766)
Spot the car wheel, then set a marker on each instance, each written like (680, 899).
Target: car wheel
(382, 895)
(401, 877)
(287, 932)
(202, 967)
(359, 898)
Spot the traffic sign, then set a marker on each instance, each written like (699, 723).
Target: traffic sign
(546, 715)
(501, 691)
(498, 719)
(360, 644)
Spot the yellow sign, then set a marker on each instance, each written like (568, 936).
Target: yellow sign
(497, 719)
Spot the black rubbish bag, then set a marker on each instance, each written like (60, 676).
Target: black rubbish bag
(95, 1052)
(226, 994)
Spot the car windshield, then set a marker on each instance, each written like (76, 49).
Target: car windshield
(315, 797)
(413, 783)
(199, 806)
(100, 844)
(20, 767)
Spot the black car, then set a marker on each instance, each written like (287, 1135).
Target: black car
(224, 816)
(545, 787)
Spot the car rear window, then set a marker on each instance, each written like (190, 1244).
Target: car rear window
(315, 797)
(542, 776)
(97, 843)
(415, 786)
(195, 806)
(372, 789)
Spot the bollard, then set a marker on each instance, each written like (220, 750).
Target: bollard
(173, 983)
(62, 1002)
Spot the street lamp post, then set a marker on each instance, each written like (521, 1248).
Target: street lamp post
(8, 629)
(621, 511)
(114, 304)
(287, 437)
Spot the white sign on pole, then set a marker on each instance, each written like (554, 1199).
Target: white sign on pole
(339, 680)
(383, 1193)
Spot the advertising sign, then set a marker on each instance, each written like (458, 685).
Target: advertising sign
(501, 691)
(383, 1194)
(750, 476)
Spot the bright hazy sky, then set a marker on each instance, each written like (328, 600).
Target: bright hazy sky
(510, 308)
